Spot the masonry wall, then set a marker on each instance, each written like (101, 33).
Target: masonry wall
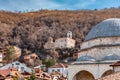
(101, 41)
(61, 70)
(117, 69)
(64, 43)
(97, 70)
(100, 52)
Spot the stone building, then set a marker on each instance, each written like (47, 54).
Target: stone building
(100, 48)
(66, 42)
(1, 56)
(116, 66)
(49, 44)
(30, 58)
(61, 68)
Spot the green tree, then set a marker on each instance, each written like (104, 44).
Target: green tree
(49, 62)
(10, 54)
(32, 77)
(16, 78)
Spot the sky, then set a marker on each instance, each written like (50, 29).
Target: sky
(30, 5)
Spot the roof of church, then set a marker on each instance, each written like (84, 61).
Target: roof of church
(107, 28)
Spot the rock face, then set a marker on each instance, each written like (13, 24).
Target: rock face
(17, 51)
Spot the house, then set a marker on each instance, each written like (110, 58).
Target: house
(1, 59)
(116, 66)
(65, 42)
(17, 65)
(4, 73)
(30, 58)
(60, 67)
(1, 55)
(9, 74)
(58, 76)
(49, 44)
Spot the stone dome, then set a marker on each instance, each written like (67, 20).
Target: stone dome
(111, 57)
(107, 28)
(86, 58)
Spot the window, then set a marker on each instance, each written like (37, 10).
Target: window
(58, 70)
(17, 63)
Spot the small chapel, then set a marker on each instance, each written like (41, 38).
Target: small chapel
(61, 43)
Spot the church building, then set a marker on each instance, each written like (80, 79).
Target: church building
(61, 43)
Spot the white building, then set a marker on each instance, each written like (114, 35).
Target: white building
(60, 67)
(116, 66)
(20, 66)
(66, 42)
(1, 57)
(99, 50)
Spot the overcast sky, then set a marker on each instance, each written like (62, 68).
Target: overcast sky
(23, 5)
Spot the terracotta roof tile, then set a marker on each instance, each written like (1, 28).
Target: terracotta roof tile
(116, 64)
(5, 72)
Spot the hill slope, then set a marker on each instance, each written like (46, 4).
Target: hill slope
(31, 30)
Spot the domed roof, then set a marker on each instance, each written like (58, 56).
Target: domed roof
(106, 28)
(111, 57)
(85, 58)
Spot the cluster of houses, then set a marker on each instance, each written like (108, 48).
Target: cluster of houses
(19, 70)
(60, 71)
(16, 69)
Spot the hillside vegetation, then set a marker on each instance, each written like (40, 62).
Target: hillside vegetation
(31, 29)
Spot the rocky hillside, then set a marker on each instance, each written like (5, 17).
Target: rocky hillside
(31, 29)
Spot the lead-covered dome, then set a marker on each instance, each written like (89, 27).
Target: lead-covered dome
(107, 28)
(111, 57)
(86, 58)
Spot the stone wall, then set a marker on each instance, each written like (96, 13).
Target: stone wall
(117, 69)
(64, 43)
(49, 45)
(101, 41)
(97, 70)
(100, 52)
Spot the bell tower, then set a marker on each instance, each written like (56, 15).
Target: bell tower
(69, 34)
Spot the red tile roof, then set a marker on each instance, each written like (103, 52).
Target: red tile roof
(5, 72)
(116, 64)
